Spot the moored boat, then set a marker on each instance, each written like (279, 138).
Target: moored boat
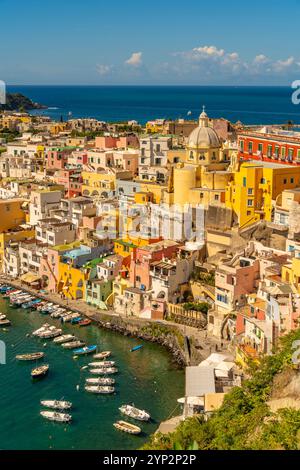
(102, 355)
(30, 356)
(102, 364)
(135, 413)
(100, 381)
(55, 416)
(104, 370)
(127, 427)
(57, 404)
(76, 320)
(51, 333)
(2, 316)
(85, 322)
(73, 344)
(40, 371)
(64, 339)
(136, 348)
(85, 350)
(5, 322)
(99, 389)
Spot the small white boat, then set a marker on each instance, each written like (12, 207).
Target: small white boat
(100, 381)
(127, 427)
(104, 370)
(2, 316)
(64, 339)
(45, 327)
(55, 416)
(73, 344)
(135, 413)
(57, 404)
(102, 355)
(102, 364)
(99, 389)
(51, 333)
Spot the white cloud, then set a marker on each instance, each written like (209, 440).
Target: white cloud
(135, 59)
(281, 65)
(209, 51)
(261, 59)
(103, 69)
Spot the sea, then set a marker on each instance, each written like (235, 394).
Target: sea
(248, 104)
(148, 378)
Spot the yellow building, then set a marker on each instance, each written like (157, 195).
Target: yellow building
(98, 184)
(204, 175)
(254, 188)
(71, 281)
(12, 214)
(155, 127)
(291, 273)
(14, 236)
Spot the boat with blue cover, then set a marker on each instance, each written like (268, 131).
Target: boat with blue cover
(136, 348)
(76, 320)
(85, 350)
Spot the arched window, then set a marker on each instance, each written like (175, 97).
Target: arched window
(191, 155)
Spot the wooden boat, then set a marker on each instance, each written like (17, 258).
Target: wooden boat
(85, 350)
(104, 370)
(135, 413)
(5, 322)
(57, 404)
(102, 364)
(40, 371)
(127, 427)
(51, 333)
(102, 355)
(57, 417)
(30, 356)
(100, 381)
(85, 322)
(99, 389)
(73, 344)
(64, 339)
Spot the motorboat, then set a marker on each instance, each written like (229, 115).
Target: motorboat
(102, 364)
(30, 356)
(76, 320)
(102, 355)
(100, 381)
(104, 370)
(135, 413)
(85, 350)
(57, 417)
(41, 329)
(127, 427)
(2, 316)
(39, 372)
(5, 322)
(64, 339)
(51, 333)
(99, 389)
(73, 344)
(57, 404)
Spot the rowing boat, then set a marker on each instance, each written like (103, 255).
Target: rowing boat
(30, 356)
(127, 427)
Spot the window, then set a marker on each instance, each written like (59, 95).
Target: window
(298, 154)
(291, 155)
(282, 152)
(216, 197)
(249, 202)
(276, 151)
(250, 148)
(191, 156)
(250, 191)
(248, 212)
(270, 149)
(244, 181)
(242, 146)
(138, 278)
(292, 180)
(284, 181)
(262, 181)
(260, 148)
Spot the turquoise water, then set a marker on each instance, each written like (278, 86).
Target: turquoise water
(148, 378)
(251, 105)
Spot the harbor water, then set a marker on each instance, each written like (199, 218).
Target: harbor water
(147, 377)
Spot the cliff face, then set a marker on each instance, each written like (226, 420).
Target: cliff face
(19, 102)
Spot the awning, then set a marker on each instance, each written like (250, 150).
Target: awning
(30, 278)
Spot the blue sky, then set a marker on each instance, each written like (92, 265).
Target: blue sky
(149, 42)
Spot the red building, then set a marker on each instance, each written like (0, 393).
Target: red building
(270, 144)
(71, 179)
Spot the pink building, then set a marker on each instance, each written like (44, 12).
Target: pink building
(57, 157)
(144, 256)
(109, 142)
(49, 269)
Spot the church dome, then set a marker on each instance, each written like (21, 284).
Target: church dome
(203, 136)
